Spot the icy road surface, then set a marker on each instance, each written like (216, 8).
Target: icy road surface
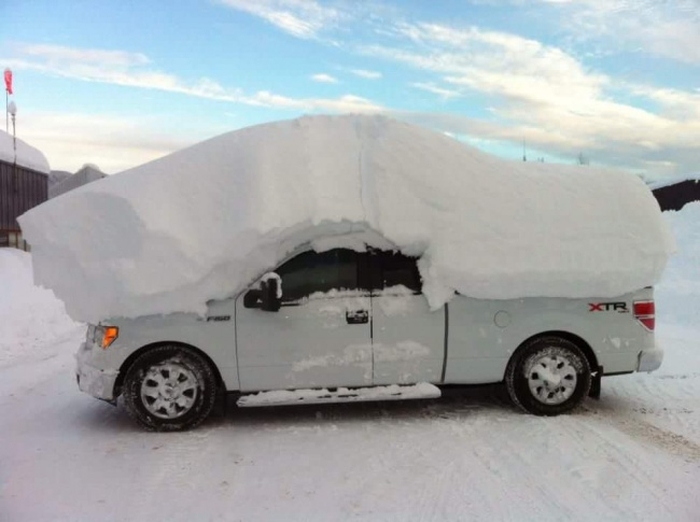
(635, 455)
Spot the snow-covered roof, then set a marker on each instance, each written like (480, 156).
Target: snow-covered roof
(202, 223)
(27, 156)
(87, 174)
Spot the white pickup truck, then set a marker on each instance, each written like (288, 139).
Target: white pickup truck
(342, 325)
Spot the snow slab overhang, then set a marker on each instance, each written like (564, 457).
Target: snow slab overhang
(203, 222)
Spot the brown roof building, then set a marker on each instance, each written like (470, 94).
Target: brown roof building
(675, 194)
(23, 185)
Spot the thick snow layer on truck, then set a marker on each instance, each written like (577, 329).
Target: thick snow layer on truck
(203, 222)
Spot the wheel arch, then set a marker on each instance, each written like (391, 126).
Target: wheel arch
(571, 337)
(129, 361)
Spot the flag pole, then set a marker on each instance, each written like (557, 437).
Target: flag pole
(8, 90)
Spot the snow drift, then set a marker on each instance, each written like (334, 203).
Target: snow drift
(32, 318)
(678, 294)
(202, 223)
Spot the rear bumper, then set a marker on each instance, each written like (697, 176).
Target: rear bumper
(95, 381)
(650, 360)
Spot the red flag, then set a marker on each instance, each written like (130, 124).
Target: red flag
(8, 81)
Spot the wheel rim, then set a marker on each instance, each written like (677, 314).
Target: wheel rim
(169, 390)
(552, 379)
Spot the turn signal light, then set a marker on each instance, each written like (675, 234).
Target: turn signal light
(110, 335)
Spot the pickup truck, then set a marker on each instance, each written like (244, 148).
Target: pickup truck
(344, 325)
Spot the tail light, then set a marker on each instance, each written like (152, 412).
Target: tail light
(645, 313)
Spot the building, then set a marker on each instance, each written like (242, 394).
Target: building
(675, 194)
(23, 185)
(87, 174)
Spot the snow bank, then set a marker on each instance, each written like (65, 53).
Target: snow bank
(27, 156)
(203, 222)
(32, 319)
(678, 294)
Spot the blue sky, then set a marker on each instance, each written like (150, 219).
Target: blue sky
(118, 83)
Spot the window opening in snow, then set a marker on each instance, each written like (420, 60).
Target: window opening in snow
(312, 272)
(395, 270)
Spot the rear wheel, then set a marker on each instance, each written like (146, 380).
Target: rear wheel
(548, 376)
(170, 388)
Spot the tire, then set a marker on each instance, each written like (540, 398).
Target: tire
(170, 388)
(548, 376)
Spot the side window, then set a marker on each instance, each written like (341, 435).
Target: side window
(312, 272)
(398, 269)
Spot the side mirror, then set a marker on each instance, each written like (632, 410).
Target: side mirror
(252, 299)
(270, 292)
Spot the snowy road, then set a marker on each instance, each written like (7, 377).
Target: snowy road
(635, 455)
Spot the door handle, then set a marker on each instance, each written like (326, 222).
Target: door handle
(357, 316)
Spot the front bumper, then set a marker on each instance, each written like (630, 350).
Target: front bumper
(650, 360)
(95, 381)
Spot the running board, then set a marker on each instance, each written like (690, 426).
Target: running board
(394, 392)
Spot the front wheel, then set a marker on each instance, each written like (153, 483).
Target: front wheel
(170, 388)
(548, 376)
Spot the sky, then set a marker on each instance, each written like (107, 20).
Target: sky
(117, 83)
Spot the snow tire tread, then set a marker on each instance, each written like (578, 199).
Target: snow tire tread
(206, 397)
(516, 383)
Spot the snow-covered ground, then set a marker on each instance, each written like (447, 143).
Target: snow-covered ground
(633, 455)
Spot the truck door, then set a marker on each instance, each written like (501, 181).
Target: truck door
(408, 339)
(319, 337)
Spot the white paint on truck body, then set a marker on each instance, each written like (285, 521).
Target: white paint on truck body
(362, 338)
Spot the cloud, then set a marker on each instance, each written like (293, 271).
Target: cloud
(60, 54)
(664, 29)
(364, 73)
(134, 70)
(114, 143)
(445, 94)
(324, 78)
(544, 95)
(300, 18)
(346, 103)
(502, 65)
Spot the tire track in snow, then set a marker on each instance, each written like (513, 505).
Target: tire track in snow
(433, 501)
(607, 470)
(645, 432)
(496, 463)
(174, 461)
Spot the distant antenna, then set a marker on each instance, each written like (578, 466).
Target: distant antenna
(524, 152)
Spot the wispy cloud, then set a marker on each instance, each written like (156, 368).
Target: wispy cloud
(134, 70)
(61, 54)
(545, 95)
(665, 29)
(445, 94)
(300, 18)
(364, 73)
(114, 143)
(324, 78)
